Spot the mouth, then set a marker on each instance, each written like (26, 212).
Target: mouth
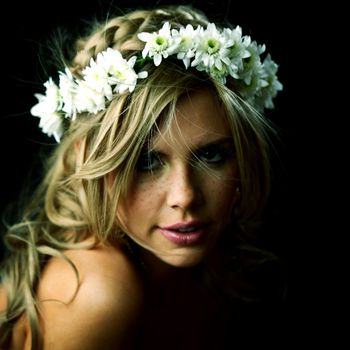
(185, 233)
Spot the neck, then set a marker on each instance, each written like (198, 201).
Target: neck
(159, 272)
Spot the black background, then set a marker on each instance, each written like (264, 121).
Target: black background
(293, 34)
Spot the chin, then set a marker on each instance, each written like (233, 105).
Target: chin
(182, 260)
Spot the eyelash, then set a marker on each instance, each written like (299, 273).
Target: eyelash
(146, 161)
(214, 155)
(211, 155)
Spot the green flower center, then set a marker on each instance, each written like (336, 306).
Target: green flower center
(248, 61)
(213, 46)
(161, 42)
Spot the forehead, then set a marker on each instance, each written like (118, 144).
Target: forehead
(199, 119)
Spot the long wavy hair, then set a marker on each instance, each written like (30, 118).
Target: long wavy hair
(76, 196)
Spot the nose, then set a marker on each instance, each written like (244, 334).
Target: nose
(181, 189)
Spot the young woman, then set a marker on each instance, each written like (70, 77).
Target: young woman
(141, 233)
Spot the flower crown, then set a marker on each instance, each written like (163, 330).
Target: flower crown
(220, 53)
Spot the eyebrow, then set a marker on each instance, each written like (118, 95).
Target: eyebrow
(202, 145)
(220, 141)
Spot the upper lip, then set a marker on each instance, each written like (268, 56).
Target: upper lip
(183, 225)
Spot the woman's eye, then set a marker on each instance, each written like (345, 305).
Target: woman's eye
(214, 154)
(148, 161)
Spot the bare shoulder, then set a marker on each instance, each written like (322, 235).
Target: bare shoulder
(96, 306)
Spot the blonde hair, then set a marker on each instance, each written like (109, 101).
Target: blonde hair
(78, 196)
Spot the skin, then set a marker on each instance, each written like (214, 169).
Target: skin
(175, 187)
(114, 306)
(190, 174)
(103, 313)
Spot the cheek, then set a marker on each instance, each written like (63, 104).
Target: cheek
(143, 197)
(223, 195)
(141, 203)
(224, 198)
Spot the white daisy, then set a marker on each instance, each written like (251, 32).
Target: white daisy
(68, 88)
(48, 110)
(212, 49)
(89, 100)
(186, 39)
(96, 76)
(158, 45)
(123, 76)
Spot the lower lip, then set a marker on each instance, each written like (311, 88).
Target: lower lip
(184, 238)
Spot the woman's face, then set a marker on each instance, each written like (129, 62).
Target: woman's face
(184, 187)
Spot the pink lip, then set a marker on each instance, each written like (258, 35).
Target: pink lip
(194, 236)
